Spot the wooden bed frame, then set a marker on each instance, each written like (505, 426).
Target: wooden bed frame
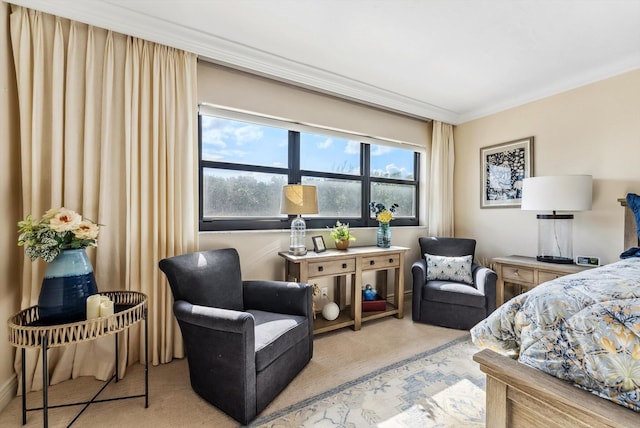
(521, 396)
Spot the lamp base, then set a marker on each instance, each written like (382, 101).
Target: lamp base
(554, 259)
(297, 251)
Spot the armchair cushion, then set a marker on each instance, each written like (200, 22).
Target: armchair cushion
(275, 334)
(442, 268)
(454, 293)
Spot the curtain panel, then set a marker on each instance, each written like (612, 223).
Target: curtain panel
(441, 220)
(108, 129)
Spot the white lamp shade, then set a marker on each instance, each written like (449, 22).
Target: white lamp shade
(557, 193)
(299, 199)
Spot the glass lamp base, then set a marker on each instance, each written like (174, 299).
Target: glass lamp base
(297, 251)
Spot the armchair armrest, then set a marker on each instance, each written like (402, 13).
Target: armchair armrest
(484, 280)
(419, 273)
(291, 298)
(224, 320)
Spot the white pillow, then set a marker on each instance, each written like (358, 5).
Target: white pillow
(449, 268)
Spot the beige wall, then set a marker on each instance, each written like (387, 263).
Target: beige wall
(593, 130)
(10, 254)
(259, 249)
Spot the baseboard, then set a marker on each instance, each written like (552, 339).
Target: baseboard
(8, 391)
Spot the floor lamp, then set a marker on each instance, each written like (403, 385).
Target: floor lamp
(556, 193)
(298, 199)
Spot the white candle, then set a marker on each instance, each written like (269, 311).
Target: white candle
(93, 306)
(106, 308)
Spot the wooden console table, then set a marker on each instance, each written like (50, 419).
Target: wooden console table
(27, 331)
(524, 273)
(352, 262)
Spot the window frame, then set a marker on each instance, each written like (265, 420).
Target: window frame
(294, 175)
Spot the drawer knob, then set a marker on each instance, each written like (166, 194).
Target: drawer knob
(320, 268)
(516, 273)
(344, 265)
(390, 260)
(372, 263)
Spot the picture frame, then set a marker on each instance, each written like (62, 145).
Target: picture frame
(318, 244)
(503, 167)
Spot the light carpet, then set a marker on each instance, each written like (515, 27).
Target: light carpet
(442, 387)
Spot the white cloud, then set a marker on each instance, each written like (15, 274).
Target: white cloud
(246, 134)
(325, 144)
(380, 150)
(352, 147)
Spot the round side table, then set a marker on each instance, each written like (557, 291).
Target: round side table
(26, 330)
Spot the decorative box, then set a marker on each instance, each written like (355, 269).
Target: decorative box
(379, 304)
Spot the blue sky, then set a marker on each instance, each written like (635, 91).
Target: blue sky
(232, 141)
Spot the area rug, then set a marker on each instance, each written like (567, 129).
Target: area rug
(443, 387)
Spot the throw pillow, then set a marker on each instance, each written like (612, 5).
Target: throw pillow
(449, 268)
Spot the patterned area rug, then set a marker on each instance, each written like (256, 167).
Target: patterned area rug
(440, 388)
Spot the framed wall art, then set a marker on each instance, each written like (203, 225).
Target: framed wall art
(503, 167)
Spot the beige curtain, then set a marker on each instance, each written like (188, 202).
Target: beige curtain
(441, 181)
(108, 129)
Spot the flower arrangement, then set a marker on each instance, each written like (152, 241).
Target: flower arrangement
(383, 214)
(58, 229)
(340, 232)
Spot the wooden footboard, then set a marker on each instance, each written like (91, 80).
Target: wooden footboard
(521, 396)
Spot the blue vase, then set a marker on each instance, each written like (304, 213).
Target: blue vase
(68, 281)
(384, 235)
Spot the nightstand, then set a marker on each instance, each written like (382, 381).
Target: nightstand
(523, 273)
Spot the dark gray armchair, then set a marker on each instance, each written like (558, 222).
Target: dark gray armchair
(449, 303)
(245, 340)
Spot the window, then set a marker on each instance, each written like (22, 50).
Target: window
(245, 163)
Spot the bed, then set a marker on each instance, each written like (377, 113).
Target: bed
(519, 395)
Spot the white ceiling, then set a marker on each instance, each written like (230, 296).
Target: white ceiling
(450, 60)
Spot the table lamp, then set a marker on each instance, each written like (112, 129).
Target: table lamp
(556, 193)
(298, 199)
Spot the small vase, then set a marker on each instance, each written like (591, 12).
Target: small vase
(342, 245)
(384, 235)
(68, 281)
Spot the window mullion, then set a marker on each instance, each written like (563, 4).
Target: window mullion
(294, 158)
(365, 166)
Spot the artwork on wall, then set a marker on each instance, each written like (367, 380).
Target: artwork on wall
(503, 168)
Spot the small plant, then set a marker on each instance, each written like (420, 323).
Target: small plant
(340, 232)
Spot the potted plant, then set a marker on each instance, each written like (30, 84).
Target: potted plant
(341, 235)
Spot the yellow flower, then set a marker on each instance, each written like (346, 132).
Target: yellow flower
(384, 217)
(65, 220)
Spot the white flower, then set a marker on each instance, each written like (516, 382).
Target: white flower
(86, 230)
(65, 220)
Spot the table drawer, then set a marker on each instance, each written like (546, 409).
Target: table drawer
(516, 273)
(381, 262)
(338, 267)
(544, 276)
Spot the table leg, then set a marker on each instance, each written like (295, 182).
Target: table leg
(117, 335)
(146, 360)
(24, 390)
(45, 383)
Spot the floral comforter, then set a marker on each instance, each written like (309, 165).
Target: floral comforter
(583, 328)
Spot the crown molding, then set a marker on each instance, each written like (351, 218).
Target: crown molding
(117, 17)
(590, 76)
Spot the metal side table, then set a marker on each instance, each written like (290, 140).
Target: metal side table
(27, 331)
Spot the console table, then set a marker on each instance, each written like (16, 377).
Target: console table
(353, 262)
(27, 331)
